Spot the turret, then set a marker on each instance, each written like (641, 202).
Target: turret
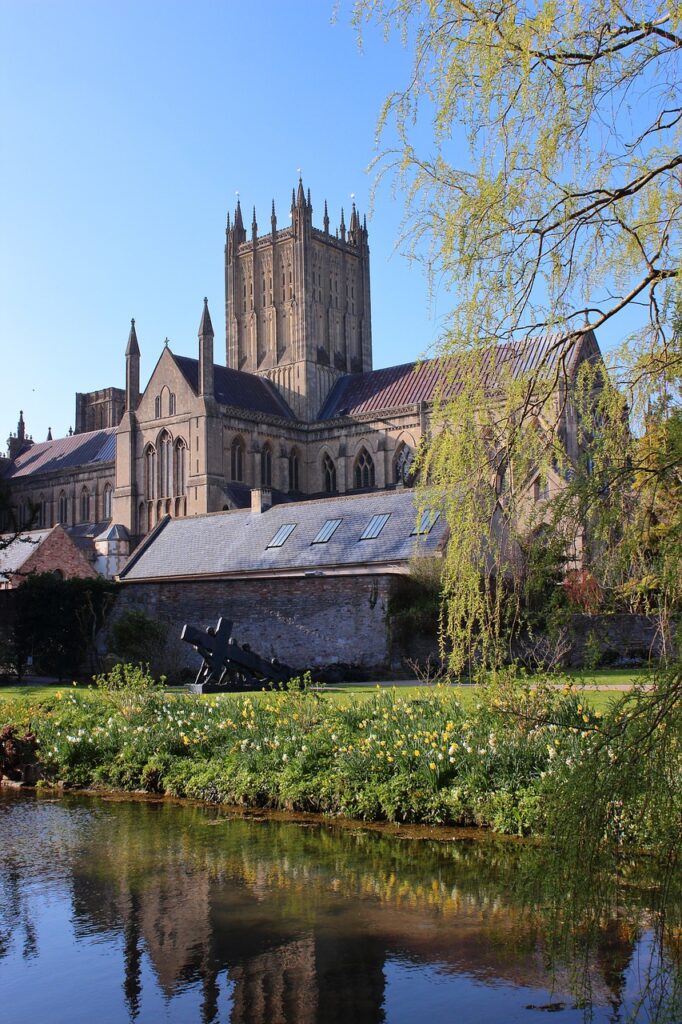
(238, 230)
(132, 370)
(354, 230)
(205, 382)
(17, 443)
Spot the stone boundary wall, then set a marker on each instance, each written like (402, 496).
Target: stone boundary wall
(332, 623)
(620, 638)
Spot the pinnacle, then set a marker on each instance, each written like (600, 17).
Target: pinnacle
(133, 349)
(205, 327)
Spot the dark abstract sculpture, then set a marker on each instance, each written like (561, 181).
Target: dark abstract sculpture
(227, 666)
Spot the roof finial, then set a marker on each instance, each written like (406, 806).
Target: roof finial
(132, 348)
(49, 434)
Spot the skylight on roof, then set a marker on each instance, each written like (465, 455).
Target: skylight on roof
(427, 521)
(281, 535)
(327, 531)
(375, 526)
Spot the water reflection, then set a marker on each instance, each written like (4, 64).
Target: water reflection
(150, 911)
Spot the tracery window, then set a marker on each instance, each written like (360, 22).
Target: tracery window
(328, 474)
(266, 466)
(293, 470)
(150, 472)
(364, 470)
(165, 464)
(180, 467)
(403, 471)
(237, 460)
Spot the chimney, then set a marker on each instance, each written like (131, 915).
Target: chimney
(261, 499)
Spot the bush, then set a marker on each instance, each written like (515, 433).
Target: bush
(56, 622)
(139, 638)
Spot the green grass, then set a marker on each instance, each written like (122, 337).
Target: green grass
(344, 695)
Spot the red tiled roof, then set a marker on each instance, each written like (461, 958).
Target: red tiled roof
(65, 453)
(398, 386)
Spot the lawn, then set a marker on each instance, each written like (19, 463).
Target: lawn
(346, 694)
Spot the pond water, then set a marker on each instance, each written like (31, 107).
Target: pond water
(124, 910)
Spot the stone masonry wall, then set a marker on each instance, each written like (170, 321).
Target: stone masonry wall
(306, 622)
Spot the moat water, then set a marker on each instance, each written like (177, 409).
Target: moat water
(124, 910)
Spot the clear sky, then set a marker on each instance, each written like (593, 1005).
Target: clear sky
(126, 128)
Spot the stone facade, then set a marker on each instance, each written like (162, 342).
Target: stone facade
(297, 408)
(297, 303)
(307, 622)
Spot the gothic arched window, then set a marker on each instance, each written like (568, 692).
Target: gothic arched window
(266, 466)
(180, 467)
(171, 405)
(364, 470)
(293, 470)
(165, 464)
(141, 518)
(106, 502)
(329, 474)
(85, 505)
(402, 465)
(63, 508)
(157, 407)
(237, 460)
(150, 472)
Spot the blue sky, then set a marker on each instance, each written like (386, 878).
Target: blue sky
(127, 126)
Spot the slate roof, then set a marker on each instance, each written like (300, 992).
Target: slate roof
(15, 554)
(396, 386)
(65, 453)
(234, 387)
(236, 543)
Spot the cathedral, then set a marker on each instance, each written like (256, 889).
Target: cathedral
(295, 412)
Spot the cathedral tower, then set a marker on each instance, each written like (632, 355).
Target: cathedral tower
(297, 302)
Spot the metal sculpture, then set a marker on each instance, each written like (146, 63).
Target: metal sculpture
(228, 666)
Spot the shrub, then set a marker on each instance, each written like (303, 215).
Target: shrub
(137, 637)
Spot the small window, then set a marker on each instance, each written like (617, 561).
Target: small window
(281, 535)
(427, 521)
(375, 526)
(327, 531)
(157, 407)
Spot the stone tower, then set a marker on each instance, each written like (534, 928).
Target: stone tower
(297, 302)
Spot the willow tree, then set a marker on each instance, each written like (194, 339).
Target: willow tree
(537, 145)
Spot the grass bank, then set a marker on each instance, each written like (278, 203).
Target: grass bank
(443, 756)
